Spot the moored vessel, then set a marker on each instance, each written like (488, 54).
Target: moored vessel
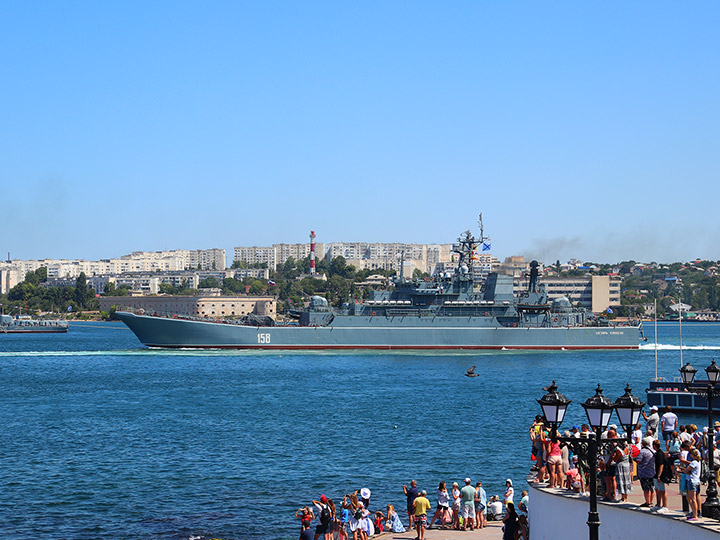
(27, 325)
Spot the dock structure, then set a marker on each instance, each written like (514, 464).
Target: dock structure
(493, 530)
(560, 514)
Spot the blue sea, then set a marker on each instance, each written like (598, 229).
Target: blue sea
(105, 439)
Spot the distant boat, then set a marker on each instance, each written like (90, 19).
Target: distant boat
(27, 325)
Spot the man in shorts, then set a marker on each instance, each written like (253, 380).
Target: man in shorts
(467, 497)
(668, 424)
(421, 506)
(663, 475)
(646, 471)
(411, 493)
(323, 529)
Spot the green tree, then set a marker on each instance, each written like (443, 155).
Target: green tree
(81, 290)
(208, 283)
(258, 287)
(32, 278)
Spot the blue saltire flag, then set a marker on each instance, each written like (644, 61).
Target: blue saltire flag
(609, 310)
(486, 246)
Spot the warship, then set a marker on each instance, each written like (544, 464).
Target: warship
(28, 325)
(447, 312)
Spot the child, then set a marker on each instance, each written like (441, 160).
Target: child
(378, 522)
(393, 522)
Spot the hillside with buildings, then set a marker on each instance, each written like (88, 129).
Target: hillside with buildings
(275, 278)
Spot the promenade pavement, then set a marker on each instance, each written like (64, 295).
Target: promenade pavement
(636, 498)
(493, 530)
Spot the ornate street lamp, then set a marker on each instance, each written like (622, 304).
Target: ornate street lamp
(628, 408)
(688, 374)
(554, 405)
(713, 373)
(599, 411)
(708, 390)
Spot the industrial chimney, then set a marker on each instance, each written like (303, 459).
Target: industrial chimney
(312, 253)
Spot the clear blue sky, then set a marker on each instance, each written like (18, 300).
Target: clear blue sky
(586, 130)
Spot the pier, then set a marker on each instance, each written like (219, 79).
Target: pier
(492, 530)
(558, 514)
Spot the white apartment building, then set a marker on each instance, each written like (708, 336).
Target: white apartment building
(178, 259)
(255, 255)
(276, 254)
(362, 255)
(13, 272)
(388, 256)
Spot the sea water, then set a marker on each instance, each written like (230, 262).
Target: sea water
(103, 438)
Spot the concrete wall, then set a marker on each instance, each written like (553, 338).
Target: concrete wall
(564, 517)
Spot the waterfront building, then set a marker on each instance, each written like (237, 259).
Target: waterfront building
(595, 293)
(195, 306)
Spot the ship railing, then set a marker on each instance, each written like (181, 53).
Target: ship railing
(180, 316)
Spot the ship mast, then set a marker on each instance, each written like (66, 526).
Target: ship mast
(466, 246)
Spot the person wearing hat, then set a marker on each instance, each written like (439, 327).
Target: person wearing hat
(325, 517)
(467, 496)
(456, 505)
(646, 471)
(421, 506)
(652, 420)
(365, 497)
(509, 492)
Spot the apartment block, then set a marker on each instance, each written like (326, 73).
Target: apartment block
(595, 293)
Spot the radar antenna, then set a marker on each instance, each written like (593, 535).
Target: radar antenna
(467, 246)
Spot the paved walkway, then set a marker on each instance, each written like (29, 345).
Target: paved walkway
(493, 530)
(636, 498)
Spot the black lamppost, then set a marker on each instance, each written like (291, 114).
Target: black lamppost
(708, 390)
(599, 410)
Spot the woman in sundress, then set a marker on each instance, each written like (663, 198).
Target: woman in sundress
(623, 470)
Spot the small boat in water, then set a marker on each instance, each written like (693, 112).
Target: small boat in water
(27, 325)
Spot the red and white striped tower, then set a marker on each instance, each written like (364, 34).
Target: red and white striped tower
(312, 253)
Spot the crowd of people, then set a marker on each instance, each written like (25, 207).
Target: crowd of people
(460, 508)
(661, 454)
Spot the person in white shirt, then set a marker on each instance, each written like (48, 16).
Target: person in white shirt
(668, 424)
(495, 507)
(509, 492)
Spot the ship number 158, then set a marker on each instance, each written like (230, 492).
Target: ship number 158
(263, 338)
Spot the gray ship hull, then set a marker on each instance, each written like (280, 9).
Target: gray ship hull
(381, 333)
